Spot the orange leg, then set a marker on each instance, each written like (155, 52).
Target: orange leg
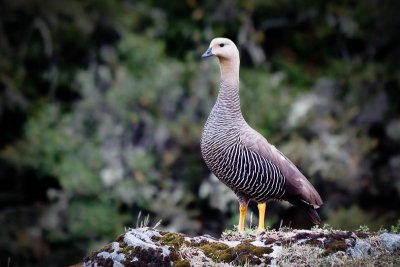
(242, 209)
(261, 216)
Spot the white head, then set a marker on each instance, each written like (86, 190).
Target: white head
(223, 48)
(228, 55)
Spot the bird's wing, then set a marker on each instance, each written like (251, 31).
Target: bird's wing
(296, 183)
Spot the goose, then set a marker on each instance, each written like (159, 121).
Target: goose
(242, 158)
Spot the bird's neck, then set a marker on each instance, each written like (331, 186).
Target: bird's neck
(228, 99)
(230, 71)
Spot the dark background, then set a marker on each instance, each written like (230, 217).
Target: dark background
(102, 104)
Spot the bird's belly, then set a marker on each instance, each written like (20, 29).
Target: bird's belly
(245, 172)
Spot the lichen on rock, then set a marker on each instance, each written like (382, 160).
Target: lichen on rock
(134, 248)
(361, 249)
(391, 242)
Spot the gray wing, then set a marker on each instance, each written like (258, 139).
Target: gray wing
(297, 184)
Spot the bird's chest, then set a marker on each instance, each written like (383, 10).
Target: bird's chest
(216, 144)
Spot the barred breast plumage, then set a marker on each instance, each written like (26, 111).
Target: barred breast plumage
(240, 157)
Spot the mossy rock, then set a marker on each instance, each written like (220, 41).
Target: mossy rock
(250, 254)
(181, 263)
(248, 248)
(242, 253)
(139, 256)
(197, 243)
(218, 252)
(214, 246)
(126, 249)
(93, 254)
(173, 239)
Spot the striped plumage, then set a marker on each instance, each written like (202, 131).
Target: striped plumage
(237, 166)
(239, 156)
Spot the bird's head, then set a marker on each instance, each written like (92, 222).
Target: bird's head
(223, 48)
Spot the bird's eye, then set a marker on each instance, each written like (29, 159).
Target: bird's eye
(221, 45)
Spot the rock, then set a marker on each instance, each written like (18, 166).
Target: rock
(151, 247)
(361, 249)
(391, 242)
(137, 247)
(116, 255)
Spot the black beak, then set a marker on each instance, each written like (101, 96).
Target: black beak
(208, 53)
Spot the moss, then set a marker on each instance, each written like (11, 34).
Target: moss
(188, 244)
(217, 251)
(214, 246)
(126, 249)
(259, 251)
(181, 263)
(248, 253)
(225, 256)
(242, 253)
(333, 246)
(196, 243)
(173, 239)
(248, 248)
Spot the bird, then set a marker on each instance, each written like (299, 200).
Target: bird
(241, 157)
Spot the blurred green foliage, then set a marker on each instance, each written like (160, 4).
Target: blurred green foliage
(102, 104)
